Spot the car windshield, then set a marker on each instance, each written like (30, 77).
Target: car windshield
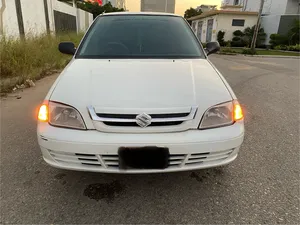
(140, 36)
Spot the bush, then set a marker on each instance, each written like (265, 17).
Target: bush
(228, 44)
(277, 39)
(249, 51)
(294, 33)
(295, 48)
(227, 50)
(235, 39)
(278, 47)
(220, 38)
(238, 42)
(238, 33)
(31, 58)
(281, 47)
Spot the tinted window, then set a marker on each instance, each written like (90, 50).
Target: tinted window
(140, 36)
(238, 23)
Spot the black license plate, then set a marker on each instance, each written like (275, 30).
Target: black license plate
(143, 158)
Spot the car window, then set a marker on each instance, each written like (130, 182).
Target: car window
(140, 36)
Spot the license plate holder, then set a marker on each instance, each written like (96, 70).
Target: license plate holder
(149, 157)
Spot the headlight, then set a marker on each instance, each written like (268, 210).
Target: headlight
(65, 116)
(221, 115)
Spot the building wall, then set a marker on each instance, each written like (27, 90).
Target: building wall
(34, 17)
(273, 7)
(34, 23)
(158, 6)
(204, 28)
(9, 24)
(292, 7)
(270, 24)
(278, 7)
(115, 3)
(286, 22)
(225, 24)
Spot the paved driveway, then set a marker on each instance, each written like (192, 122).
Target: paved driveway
(261, 186)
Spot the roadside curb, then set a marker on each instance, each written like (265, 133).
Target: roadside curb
(262, 56)
(274, 56)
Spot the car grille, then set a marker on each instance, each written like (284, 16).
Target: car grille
(112, 161)
(130, 120)
(133, 124)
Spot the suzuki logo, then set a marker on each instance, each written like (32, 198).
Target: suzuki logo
(143, 120)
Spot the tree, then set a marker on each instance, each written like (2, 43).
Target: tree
(94, 7)
(244, 38)
(249, 33)
(293, 34)
(191, 12)
(220, 37)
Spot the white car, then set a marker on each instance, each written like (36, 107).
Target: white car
(140, 96)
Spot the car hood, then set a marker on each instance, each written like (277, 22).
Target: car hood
(115, 85)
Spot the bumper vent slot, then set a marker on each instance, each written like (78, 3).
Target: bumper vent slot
(112, 161)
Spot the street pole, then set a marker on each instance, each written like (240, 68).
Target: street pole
(254, 38)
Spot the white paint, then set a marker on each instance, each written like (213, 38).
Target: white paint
(33, 17)
(10, 21)
(223, 22)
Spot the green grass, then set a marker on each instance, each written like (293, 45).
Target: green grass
(32, 58)
(260, 52)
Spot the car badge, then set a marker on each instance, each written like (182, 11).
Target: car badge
(143, 120)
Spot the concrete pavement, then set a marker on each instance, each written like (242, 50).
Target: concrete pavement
(261, 186)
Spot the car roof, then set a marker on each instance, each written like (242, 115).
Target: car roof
(140, 13)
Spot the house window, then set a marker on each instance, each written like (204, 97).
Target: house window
(236, 2)
(238, 23)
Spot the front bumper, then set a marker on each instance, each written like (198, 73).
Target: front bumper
(98, 152)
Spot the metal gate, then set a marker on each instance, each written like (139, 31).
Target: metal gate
(210, 24)
(64, 22)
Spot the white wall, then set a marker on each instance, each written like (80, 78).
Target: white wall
(34, 19)
(273, 7)
(85, 20)
(10, 21)
(225, 24)
(278, 7)
(63, 7)
(33, 13)
(204, 28)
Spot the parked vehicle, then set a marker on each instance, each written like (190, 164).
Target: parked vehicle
(140, 96)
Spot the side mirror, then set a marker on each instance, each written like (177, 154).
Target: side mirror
(212, 47)
(67, 48)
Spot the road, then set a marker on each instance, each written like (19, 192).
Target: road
(261, 186)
